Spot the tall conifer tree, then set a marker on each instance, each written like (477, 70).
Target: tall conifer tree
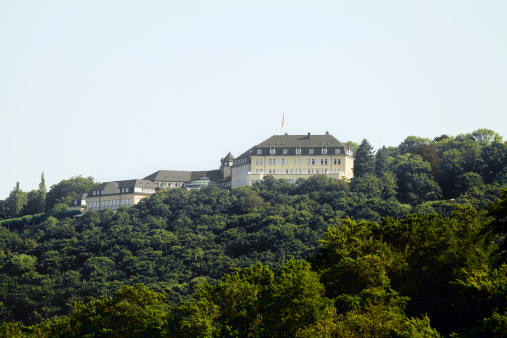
(364, 162)
(381, 162)
(17, 200)
(41, 205)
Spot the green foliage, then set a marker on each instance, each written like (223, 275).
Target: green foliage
(394, 256)
(411, 143)
(364, 162)
(414, 179)
(255, 302)
(66, 190)
(41, 196)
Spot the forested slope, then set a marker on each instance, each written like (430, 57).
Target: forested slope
(402, 241)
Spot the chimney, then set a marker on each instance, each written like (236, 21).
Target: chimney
(286, 133)
(309, 136)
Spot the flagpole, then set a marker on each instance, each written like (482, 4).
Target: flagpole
(283, 124)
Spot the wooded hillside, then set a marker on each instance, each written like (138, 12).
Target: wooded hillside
(413, 244)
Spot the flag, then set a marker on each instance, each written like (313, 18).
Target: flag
(283, 120)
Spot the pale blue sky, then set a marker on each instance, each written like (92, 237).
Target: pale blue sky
(119, 89)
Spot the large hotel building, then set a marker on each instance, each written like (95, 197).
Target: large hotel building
(291, 157)
(288, 157)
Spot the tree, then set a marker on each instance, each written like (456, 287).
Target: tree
(66, 190)
(486, 136)
(415, 182)
(364, 162)
(18, 199)
(429, 153)
(410, 144)
(352, 145)
(41, 205)
(381, 162)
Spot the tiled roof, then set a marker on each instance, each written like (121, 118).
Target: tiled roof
(290, 142)
(124, 184)
(229, 157)
(183, 176)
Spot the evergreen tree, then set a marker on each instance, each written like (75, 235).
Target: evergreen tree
(41, 203)
(364, 159)
(18, 200)
(381, 162)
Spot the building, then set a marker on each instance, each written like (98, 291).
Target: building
(112, 195)
(169, 179)
(292, 157)
(78, 203)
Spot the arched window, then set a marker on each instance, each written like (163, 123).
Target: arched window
(298, 150)
(324, 150)
(272, 150)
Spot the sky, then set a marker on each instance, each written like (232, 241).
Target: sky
(119, 89)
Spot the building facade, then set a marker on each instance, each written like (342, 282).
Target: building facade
(292, 157)
(112, 195)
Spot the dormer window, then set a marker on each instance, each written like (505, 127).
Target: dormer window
(259, 151)
(310, 151)
(285, 151)
(337, 151)
(298, 150)
(324, 150)
(272, 150)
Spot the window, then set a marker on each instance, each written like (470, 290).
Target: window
(270, 171)
(272, 150)
(313, 161)
(285, 151)
(321, 161)
(286, 171)
(75, 202)
(339, 161)
(324, 150)
(274, 161)
(259, 151)
(269, 162)
(256, 162)
(337, 151)
(307, 171)
(310, 151)
(256, 171)
(282, 162)
(335, 161)
(308, 161)
(262, 161)
(262, 170)
(325, 161)
(298, 150)
(94, 193)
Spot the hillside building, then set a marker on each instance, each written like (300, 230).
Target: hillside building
(292, 157)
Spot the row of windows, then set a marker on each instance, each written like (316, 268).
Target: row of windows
(99, 192)
(111, 203)
(309, 161)
(272, 151)
(298, 171)
(169, 185)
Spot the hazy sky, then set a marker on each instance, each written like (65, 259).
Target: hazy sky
(120, 89)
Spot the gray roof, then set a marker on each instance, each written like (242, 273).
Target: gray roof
(183, 176)
(300, 140)
(290, 142)
(125, 184)
(229, 157)
(79, 198)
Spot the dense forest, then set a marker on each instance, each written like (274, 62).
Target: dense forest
(414, 245)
